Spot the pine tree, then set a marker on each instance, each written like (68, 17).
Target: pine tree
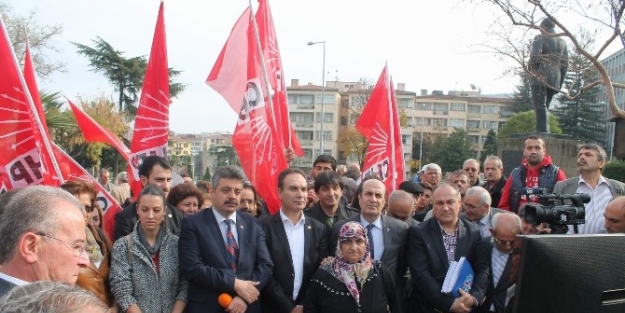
(207, 174)
(582, 118)
(490, 145)
(522, 97)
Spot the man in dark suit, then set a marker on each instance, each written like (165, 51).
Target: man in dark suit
(297, 246)
(494, 178)
(388, 235)
(477, 209)
(43, 238)
(500, 247)
(155, 171)
(223, 251)
(434, 244)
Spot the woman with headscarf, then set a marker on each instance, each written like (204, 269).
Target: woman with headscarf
(352, 281)
(145, 275)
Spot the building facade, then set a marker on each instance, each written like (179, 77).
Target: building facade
(615, 65)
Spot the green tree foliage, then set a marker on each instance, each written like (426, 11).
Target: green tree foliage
(525, 122)
(125, 74)
(207, 174)
(583, 117)
(522, 97)
(615, 170)
(490, 145)
(42, 39)
(225, 155)
(449, 152)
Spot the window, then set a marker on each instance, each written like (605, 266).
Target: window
(304, 135)
(441, 107)
(307, 153)
(424, 106)
(405, 103)
(489, 124)
(327, 135)
(356, 100)
(422, 121)
(456, 122)
(505, 111)
(439, 122)
(291, 99)
(405, 139)
(327, 117)
(474, 109)
(473, 124)
(457, 106)
(301, 117)
(474, 139)
(325, 151)
(491, 109)
(327, 99)
(343, 121)
(306, 99)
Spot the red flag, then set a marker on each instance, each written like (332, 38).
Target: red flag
(151, 130)
(21, 140)
(255, 139)
(71, 170)
(275, 73)
(94, 132)
(379, 123)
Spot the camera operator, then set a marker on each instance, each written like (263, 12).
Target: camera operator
(591, 160)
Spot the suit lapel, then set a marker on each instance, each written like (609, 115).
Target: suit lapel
(503, 280)
(438, 240)
(386, 235)
(461, 241)
(278, 228)
(308, 238)
(214, 228)
(244, 237)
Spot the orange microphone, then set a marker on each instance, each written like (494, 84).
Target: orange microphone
(224, 300)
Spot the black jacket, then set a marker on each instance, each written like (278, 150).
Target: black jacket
(127, 218)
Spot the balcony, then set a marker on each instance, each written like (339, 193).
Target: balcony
(305, 142)
(440, 128)
(473, 114)
(440, 112)
(473, 130)
(303, 124)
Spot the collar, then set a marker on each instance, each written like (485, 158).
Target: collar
(220, 218)
(377, 223)
(486, 217)
(602, 180)
(13, 280)
(446, 233)
(285, 219)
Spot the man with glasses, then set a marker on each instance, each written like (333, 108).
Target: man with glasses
(43, 238)
(477, 209)
(433, 174)
(472, 168)
(501, 251)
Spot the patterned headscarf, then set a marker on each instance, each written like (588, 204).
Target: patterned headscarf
(346, 271)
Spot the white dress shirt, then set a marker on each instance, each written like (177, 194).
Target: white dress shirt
(223, 226)
(295, 235)
(599, 198)
(484, 224)
(13, 280)
(378, 236)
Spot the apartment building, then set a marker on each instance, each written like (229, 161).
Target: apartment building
(615, 65)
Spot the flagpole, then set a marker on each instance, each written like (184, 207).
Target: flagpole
(263, 67)
(392, 120)
(44, 135)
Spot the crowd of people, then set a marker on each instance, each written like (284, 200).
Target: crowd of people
(338, 243)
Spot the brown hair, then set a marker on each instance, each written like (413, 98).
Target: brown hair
(183, 191)
(77, 188)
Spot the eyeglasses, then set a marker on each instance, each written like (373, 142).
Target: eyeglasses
(503, 242)
(471, 206)
(77, 249)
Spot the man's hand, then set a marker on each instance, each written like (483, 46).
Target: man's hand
(459, 307)
(298, 309)
(467, 299)
(312, 196)
(290, 155)
(247, 290)
(237, 306)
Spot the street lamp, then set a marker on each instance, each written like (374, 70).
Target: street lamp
(323, 88)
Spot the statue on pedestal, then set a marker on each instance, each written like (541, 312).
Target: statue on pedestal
(548, 64)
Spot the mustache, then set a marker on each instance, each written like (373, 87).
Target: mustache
(235, 202)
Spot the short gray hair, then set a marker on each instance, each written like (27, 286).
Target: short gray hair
(349, 188)
(482, 192)
(400, 194)
(472, 161)
(517, 221)
(496, 158)
(433, 166)
(33, 209)
(227, 172)
(50, 297)
(122, 177)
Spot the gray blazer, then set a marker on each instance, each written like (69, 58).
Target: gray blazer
(569, 186)
(395, 233)
(139, 283)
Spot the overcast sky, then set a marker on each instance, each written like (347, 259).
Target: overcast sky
(428, 45)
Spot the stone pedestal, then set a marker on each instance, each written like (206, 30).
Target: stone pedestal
(561, 148)
(618, 150)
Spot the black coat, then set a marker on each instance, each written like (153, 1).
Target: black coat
(277, 297)
(127, 218)
(327, 294)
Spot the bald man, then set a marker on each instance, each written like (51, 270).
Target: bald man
(615, 216)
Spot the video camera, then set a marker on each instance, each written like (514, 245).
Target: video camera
(555, 209)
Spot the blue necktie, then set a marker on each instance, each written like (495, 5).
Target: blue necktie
(231, 246)
(370, 236)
